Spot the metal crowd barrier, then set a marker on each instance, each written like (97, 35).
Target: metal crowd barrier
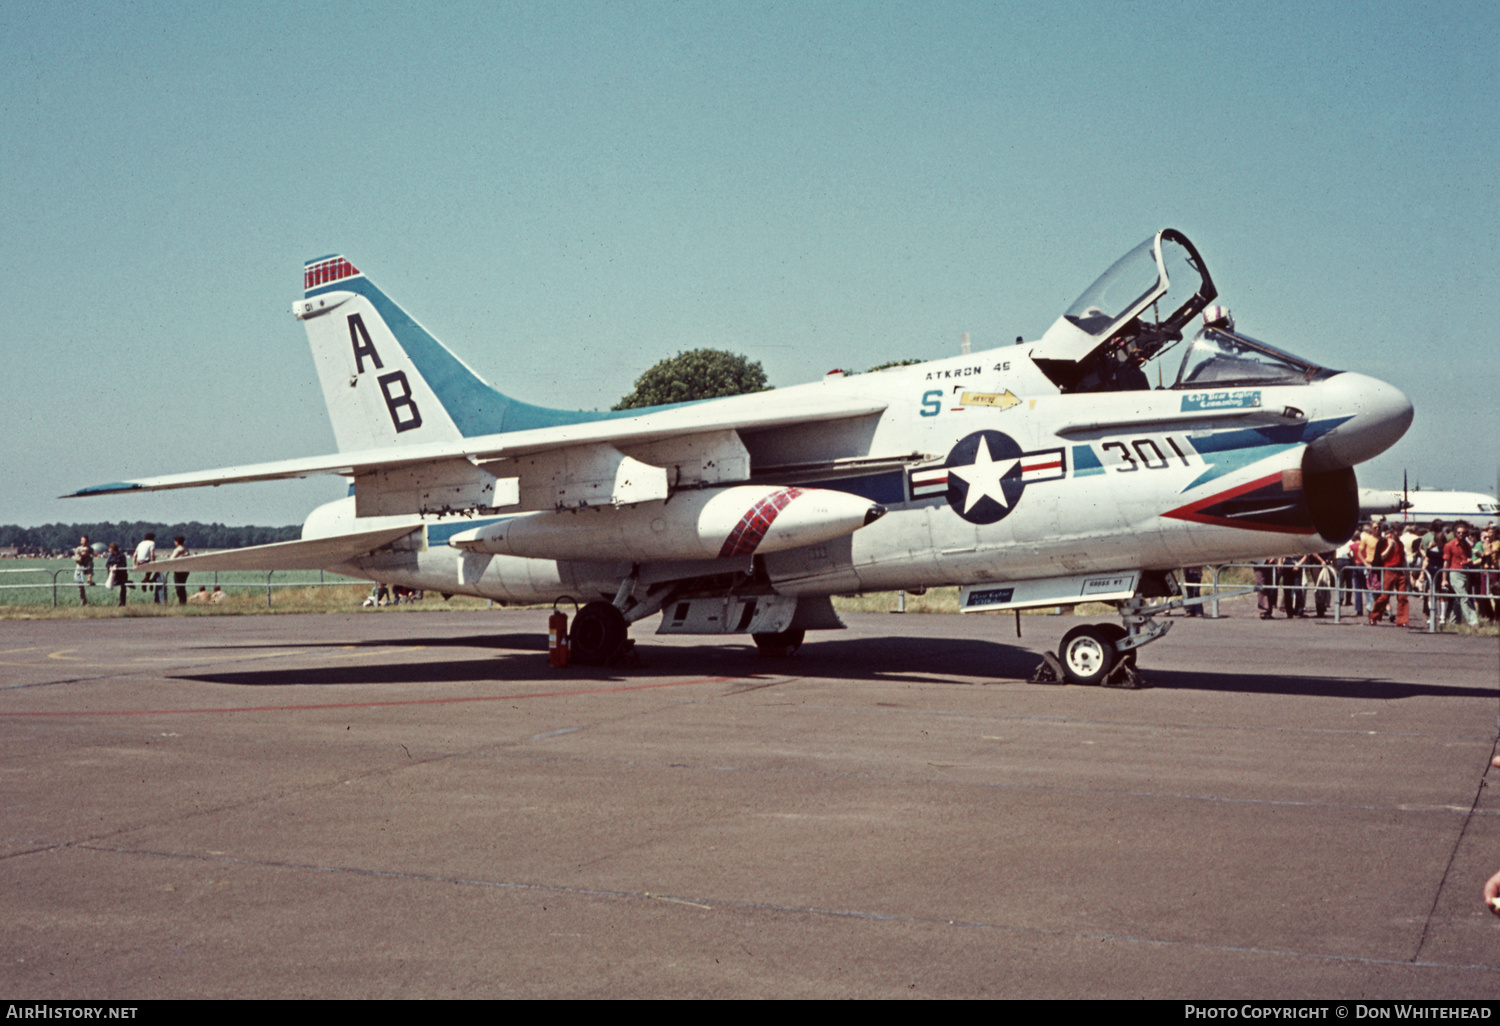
(1420, 584)
(170, 585)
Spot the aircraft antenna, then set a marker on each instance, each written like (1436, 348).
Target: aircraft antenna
(965, 346)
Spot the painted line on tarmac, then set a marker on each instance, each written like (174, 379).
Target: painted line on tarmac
(373, 704)
(62, 655)
(732, 904)
(1092, 721)
(1087, 792)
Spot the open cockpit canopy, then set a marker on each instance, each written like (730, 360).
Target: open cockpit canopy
(1135, 308)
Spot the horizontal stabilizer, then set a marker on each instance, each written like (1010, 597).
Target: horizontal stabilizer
(314, 554)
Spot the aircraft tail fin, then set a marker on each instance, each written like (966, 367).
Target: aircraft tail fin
(376, 392)
(387, 381)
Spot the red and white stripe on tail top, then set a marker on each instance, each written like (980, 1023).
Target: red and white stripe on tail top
(326, 271)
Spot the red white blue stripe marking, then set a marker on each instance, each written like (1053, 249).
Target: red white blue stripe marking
(751, 530)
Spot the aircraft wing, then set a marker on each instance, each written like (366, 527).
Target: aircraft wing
(314, 554)
(697, 419)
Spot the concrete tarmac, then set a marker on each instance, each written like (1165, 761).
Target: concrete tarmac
(388, 805)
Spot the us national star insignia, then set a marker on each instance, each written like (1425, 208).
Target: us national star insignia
(985, 474)
(985, 478)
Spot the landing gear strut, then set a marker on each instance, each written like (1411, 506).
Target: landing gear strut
(1104, 653)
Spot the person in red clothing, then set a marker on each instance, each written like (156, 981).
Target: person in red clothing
(1390, 556)
(1456, 556)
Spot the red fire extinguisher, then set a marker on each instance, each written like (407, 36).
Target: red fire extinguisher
(557, 638)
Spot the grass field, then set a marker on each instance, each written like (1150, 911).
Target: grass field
(26, 591)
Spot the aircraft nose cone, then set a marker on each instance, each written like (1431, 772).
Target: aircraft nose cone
(1378, 413)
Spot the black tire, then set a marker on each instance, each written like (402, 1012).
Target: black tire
(1087, 654)
(1117, 633)
(779, 644)
(599, 631)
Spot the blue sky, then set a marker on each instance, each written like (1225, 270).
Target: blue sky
(566, 194)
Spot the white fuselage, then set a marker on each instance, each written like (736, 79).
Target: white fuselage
(1423, 506)
(1070, 484)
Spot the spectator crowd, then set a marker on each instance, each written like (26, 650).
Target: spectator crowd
(118, 567)
(1387, 566)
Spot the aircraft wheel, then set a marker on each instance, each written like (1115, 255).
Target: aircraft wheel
(1087, 654)
(598, 631)
(781, 643)
(1116, 633)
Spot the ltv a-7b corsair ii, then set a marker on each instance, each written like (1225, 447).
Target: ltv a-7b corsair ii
(1040, 474)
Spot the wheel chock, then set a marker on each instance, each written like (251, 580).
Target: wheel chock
(1048, 671)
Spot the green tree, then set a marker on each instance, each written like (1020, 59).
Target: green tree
(62, 537)
(699, 374)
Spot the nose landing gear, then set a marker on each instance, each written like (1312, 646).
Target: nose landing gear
(1087, 653)
(1104, 653)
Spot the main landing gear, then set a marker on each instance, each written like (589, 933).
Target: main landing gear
(779, 644)
(708, 605)
(600, 637)
(599, 634)
(1104, 653)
